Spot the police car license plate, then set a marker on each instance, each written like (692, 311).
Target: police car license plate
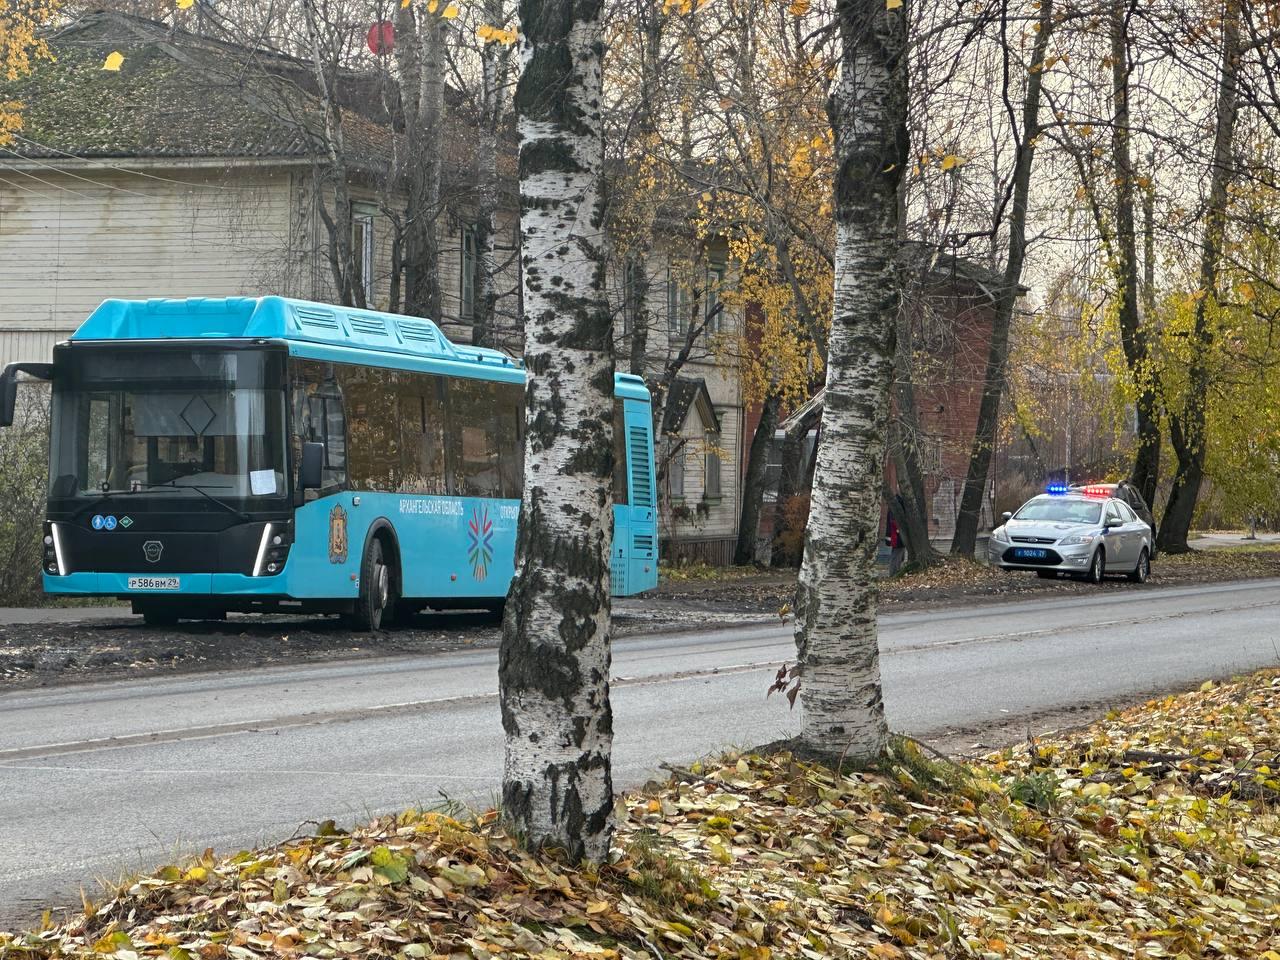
(1031, 554)
(155, 583)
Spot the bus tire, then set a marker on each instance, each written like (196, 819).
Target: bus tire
(376, 589)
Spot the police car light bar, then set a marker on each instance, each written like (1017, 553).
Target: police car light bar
(1094, 490)
(1056, 489)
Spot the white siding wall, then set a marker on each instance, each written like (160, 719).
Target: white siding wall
(70, 239)
(710, 361)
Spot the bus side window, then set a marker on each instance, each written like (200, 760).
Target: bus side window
(422, 433)
(318, 418)
(373, 426)
(335, 440)
(472, 452)
(511, 439)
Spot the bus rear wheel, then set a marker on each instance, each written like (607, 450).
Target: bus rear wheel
(377, 593)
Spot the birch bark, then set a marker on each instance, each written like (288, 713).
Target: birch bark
(554, 660)
(836, 598)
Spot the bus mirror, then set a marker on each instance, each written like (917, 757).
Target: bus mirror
(311, 476)
(9, 386)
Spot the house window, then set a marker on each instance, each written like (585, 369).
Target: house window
(675, 466)
(467, 283)
(715, 282)
(362, 249)
(712, 488)
(677, 303)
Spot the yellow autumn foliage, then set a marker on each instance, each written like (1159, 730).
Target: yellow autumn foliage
(20, 47)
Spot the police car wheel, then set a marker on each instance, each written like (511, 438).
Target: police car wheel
(1096, 567)
(1143, 570)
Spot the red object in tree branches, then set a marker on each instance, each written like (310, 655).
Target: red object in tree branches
(382, 37)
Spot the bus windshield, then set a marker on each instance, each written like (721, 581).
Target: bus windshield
(130, 421)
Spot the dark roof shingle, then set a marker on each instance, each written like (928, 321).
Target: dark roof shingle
(172, 97)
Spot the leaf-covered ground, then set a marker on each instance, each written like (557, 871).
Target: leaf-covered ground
(1151, 834)
(958, 581)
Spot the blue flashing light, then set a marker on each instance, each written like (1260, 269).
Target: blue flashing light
(1056, 489)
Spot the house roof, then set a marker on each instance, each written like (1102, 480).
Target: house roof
(176, 95)
(684, 395)
(939, 267)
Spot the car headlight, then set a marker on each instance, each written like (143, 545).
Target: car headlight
(1078, 539)
(1000, 534)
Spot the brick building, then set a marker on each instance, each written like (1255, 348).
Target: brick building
(950, 311)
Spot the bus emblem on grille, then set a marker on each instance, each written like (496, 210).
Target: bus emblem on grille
(337, 535)
(152, 550)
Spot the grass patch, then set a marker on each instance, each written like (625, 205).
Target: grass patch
(700, 572)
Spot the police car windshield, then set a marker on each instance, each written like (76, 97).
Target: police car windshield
(1060, 510)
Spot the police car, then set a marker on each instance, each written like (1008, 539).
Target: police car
(1083, 532)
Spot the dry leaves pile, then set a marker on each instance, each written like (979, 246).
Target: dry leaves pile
(1153, 834)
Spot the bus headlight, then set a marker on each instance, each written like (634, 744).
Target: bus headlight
(54, 564)
(273, 549)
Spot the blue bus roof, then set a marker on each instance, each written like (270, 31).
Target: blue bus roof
(306, 323)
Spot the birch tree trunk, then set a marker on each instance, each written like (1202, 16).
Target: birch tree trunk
(554, 660)
(836, 596)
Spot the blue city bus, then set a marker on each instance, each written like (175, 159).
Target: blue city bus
(209, 455)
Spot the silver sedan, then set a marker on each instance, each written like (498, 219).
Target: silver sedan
(1084, 536)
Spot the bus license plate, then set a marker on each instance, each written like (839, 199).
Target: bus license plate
(155, 583)
(1031, 554)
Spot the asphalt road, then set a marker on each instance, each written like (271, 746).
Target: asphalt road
(100, 779)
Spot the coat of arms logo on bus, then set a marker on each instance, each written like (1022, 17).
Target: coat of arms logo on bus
(480, 542)
(337, 535)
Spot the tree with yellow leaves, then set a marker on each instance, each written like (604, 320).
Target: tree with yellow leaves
(729, 118)
(20, 46)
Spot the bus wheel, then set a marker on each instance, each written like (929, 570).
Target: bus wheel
(376, 594)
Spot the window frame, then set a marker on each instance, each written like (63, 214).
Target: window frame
(676, 467)
(629, 305)
(468, 258)
(714, 323)
(363, 247)
(677, 304)
(712, 456)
